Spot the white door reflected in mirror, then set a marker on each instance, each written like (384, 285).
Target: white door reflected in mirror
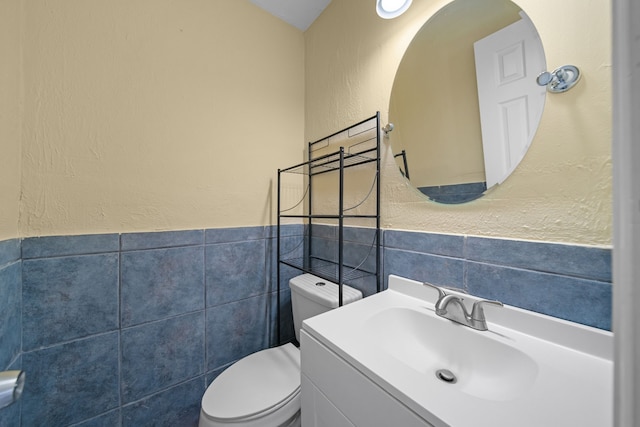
(510, 99)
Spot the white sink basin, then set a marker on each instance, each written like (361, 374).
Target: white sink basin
(482, 366)
(526, 370)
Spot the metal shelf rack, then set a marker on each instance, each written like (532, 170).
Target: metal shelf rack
(357, 146)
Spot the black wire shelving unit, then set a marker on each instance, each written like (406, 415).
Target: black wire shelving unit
(357, 146)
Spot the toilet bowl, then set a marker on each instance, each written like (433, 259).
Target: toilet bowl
(263, 389)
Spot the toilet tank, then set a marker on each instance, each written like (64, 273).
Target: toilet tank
(311, 295)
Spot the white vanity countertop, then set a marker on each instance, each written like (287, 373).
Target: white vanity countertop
(550, 373)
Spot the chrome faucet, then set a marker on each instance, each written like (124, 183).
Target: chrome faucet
(452, 307)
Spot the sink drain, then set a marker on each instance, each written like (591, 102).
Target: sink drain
(446, 375)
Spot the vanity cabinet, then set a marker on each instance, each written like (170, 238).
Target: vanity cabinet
(336, 394)
(379, 362)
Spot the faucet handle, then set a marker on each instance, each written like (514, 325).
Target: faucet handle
(477, 312)
(441, 293)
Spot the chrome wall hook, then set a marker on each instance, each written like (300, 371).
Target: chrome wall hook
(560, 80)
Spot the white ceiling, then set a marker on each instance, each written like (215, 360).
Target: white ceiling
(299, 13)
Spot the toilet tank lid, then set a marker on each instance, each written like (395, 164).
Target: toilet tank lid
(323, 291)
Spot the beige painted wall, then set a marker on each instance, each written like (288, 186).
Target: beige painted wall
(561, 192)
(9, 118)
(156, 114)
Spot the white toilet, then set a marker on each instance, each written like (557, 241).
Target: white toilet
(263, 389)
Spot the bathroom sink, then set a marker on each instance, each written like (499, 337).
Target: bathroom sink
(440, 350)
(528, 369)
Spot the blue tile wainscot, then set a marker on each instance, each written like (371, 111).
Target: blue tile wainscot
(129, 329)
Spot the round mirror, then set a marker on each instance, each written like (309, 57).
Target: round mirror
(465, 102)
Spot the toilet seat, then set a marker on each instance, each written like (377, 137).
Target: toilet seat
(255, 387)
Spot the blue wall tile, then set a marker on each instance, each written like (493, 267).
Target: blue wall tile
(161, 354)
(438, 270)
(323, 231)
(110, 419)
(235, 330)
(9, 251)
(40, 247)
(158, 240)
(271, 231)
(579, 300)
(324, 248)
(10, 313)
(579, 261)
(177, 406)
(291, 247)
(235, 271)
(238, 234)
(10, 415)
(72, 382)
(161, 283)
(73, 296)
(360, 256)
(367, 285)
(292, 250)
(361, 235)
(437, 244)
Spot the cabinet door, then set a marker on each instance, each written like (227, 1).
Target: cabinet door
(317, 410)
(353, 396)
